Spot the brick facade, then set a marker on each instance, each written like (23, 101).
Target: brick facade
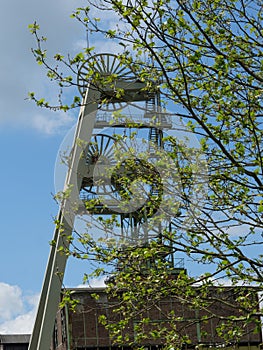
(82, 330)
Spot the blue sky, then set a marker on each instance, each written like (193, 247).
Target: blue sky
(29, 142)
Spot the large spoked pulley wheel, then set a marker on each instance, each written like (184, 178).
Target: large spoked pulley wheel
(104, 70)
(100, 156)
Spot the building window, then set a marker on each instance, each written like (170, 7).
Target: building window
(55, 335)
(63, 326)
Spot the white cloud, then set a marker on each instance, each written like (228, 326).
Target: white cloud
(22, 324)
(10, 301)
(51, 123)
(108, 47)
(17, 310)
(94, 283)
(19, 73)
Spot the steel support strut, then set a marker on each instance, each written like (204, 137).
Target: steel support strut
(51, 289)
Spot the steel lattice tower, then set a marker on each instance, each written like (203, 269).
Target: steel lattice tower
(80, 172)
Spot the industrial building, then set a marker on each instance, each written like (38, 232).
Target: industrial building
(14, 341)
(82, 330)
